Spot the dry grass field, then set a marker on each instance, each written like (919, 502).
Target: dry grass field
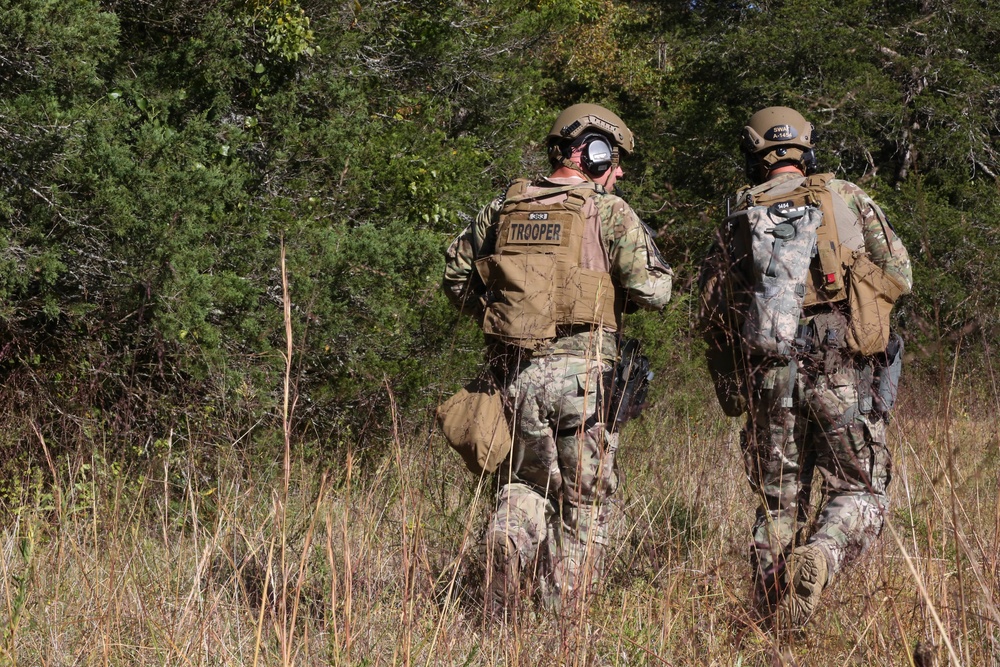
(374, 561)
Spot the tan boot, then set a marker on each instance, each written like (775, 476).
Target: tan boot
(806, 571)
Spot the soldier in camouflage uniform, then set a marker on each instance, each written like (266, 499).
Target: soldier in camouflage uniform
(811, 411)
(596, 257)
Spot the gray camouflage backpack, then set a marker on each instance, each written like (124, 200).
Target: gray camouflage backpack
(782, 240)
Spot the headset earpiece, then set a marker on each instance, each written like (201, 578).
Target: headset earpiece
(597, 156)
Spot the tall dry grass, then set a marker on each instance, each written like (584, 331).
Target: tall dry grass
(251, 560)
(281, 563)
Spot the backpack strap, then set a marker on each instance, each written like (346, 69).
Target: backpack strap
(517, 193)
(833, 257)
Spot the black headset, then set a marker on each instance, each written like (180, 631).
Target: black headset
(754, 162)
(598, 155)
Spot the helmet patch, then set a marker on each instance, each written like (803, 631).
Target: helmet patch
(781, 133)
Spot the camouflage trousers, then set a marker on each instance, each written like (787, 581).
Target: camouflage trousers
(804, 422)
(552, 507)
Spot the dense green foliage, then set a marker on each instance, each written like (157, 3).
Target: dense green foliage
(156, 155)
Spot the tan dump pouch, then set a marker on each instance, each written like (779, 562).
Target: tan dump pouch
(871, 292)
(475, 425)
(523, 307)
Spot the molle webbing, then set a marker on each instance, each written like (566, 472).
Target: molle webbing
(826, 275)
(535, 281)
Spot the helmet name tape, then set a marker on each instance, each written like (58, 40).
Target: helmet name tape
(781, 133)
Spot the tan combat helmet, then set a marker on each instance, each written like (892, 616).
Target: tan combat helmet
(600, 133)
(777, 134)
(581, 118)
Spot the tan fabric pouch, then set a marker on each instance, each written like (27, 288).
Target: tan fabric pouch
(522, 310)
(474, 423)
(871, 294)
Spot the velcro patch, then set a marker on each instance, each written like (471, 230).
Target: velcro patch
(781, 133)
(535, 232)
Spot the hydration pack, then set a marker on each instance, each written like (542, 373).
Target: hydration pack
(782, 244)
(835, 238)
(842, 271)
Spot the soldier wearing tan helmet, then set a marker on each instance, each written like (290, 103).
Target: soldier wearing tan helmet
(548, 269)
(817, 401)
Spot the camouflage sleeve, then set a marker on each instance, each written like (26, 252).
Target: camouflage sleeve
(881, 241)
(461, 283)
(636, 262)
(713, 301)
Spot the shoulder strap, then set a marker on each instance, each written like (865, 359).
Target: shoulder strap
(818, 180)
(518, 191)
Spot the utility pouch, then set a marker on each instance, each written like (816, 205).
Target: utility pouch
(520, 307)
(870, 296)
(727, 367)
(474, 423)
(888, 370)
(631, 384)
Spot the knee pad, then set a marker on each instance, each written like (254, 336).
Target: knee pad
(504, 553)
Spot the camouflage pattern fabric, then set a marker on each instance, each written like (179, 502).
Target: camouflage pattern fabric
(552, 501)
(813, 420)
(784, 447)
(554, 504)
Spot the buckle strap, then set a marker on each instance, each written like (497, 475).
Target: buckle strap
(805, 336)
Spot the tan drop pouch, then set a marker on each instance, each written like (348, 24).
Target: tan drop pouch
(870, 296)
(475, 425)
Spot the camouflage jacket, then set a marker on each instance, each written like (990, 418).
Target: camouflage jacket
(636, 264)
(881, 244)
(724, 286)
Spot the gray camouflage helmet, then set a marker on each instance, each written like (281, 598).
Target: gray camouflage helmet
(581, 118)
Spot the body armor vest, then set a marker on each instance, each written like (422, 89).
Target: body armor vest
(542, 272)
(836, 241)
